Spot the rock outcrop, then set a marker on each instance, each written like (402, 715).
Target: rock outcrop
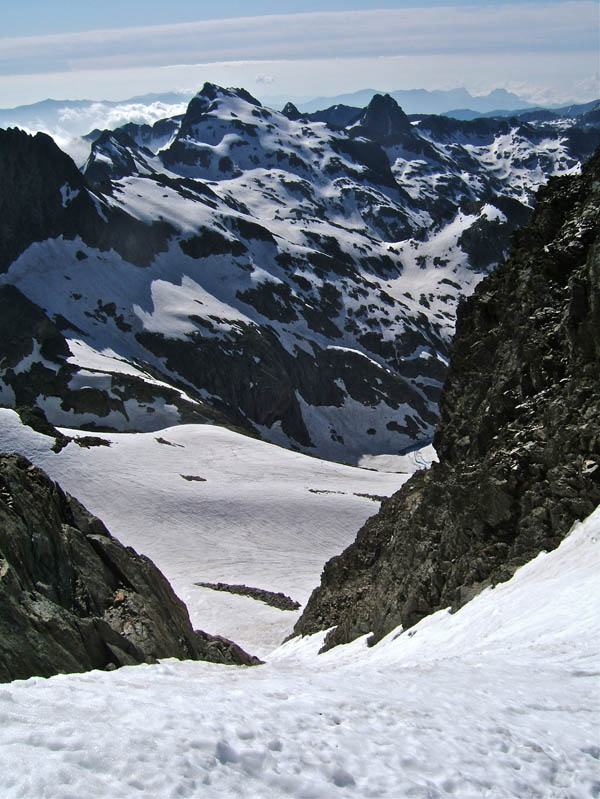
(518, 438)
(44, 196)
(72, 598)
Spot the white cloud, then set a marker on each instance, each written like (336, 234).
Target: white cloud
(100, 115)
(264, 78)
(67, 125)
(516, 28)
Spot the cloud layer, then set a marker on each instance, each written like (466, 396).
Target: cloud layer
(519, 28)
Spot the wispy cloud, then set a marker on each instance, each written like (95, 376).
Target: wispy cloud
(518, 28)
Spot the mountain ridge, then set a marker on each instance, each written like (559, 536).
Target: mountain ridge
(296, 279)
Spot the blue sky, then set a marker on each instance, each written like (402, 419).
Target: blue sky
(544, 50)
(61, 16)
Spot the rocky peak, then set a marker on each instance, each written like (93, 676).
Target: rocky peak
(291, 112)
(110, 158)
(210, 92)
(207, 101)
(40, 189)
(43, 196)
(383, 120)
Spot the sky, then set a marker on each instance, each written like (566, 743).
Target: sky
(545, 50)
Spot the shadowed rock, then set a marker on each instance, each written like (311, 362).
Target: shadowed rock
(518, 438)
(72, 598)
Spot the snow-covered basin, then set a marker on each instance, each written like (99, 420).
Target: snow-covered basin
(498, 700)
(248, 513)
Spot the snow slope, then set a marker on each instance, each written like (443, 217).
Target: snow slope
(252, 513)
(498, 700)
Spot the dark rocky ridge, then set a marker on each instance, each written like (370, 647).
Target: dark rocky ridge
(72, 598)
(44, 196)
(518, 438)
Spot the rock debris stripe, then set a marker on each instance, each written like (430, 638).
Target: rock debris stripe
(274, 598)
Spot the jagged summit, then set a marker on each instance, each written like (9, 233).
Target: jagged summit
(41, 188)
(382, 120)
(211, 91)
(208, 99)
(291, 112)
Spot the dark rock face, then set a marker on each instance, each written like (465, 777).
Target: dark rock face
(43, 195)
(72, 598)
(25, 328)
(518, 438)
(336, 116)
(260, 376)
(383, 120)
(32, 173)
(291, 112)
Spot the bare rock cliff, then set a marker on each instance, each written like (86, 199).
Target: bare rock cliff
(518, 438)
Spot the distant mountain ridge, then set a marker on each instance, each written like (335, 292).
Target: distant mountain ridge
(78, 117)
(423, 101)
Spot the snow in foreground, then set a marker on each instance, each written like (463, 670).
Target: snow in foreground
(497, 700)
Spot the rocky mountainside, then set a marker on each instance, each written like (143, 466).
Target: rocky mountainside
(518, 438)
(294, 277)
(72, 598)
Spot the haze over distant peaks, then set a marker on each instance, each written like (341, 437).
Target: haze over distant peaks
(422, 101)
(63, 118)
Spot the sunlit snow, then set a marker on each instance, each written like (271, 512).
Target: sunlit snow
(497, 700)
(261, 515)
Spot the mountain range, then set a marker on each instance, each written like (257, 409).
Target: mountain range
(311, 279)
(422, 101)
(78, 117)
(293, 277)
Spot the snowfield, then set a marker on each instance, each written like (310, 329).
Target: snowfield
(497, 700)
(210, 505)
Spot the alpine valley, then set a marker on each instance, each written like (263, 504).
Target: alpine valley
(342, 283)
(295, 277)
